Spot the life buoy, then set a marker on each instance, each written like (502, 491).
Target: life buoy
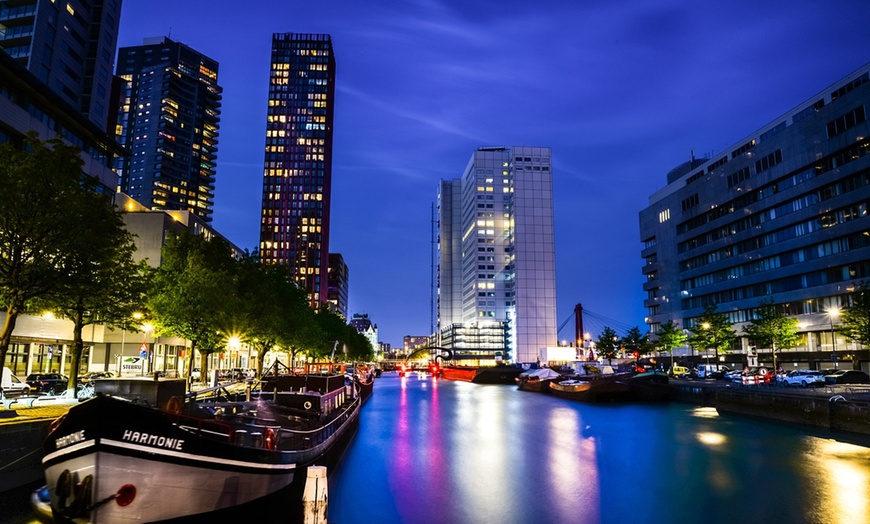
(174, 405)
(307, 405)
(271, 441)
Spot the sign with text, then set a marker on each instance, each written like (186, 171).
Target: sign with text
(132, 366)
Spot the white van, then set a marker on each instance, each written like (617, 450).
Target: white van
(706, 370)
(13, 386)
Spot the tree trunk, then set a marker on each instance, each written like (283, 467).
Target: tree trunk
(77, 349)
(12, 312)
(189, 367)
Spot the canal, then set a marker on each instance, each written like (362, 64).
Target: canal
(445, 452)
(454, 452)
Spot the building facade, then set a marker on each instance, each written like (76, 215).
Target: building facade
(781, 215)
(69, 46)
(169, 120)
(496, 256)
(339, 281)
(297, 170)
(366, 328)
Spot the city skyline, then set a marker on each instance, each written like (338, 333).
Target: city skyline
(621, 93)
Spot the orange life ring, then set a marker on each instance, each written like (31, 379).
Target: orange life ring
(271, 440)
(174, 405)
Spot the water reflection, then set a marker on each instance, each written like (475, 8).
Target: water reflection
(442, 451)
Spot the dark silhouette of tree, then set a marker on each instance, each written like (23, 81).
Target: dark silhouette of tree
(41, 188)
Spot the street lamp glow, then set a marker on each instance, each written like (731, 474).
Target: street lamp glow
(705, 325)
(834, 312)
(147, 328)
(137, 316)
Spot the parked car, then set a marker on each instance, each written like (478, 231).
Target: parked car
(678, 371)
(760, 375)
(847, 376)
(13, 386)
(50, 383)
(94, 375)
(804, 378)
(708, 370)
(733, 374)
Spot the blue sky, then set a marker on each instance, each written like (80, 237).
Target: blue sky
(622, 91)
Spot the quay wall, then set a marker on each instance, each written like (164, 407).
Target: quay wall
(820, 409)
(21, 453)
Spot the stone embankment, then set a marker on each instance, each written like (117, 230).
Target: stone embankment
(839, 408)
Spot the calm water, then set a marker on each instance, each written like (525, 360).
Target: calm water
(452, 452)
(456, 453)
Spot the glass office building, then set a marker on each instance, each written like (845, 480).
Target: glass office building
(496, 256)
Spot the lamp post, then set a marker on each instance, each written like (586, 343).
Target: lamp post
(706, 327)
(147, 329)
(833, 313)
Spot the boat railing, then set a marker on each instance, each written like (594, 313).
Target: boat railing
(308, 438)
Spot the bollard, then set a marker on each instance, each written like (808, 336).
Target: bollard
(315, 497)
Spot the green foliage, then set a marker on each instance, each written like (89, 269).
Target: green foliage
(635, 341)
(101, 282)
(607, 343)
(189, 295)
(670, 337)
(712, 331)
(274, 312)
(42, 191)
(770, 328)
(855, 320)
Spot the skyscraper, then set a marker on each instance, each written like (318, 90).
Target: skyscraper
(169, 119)
(297, 170)
(496, 270)
(70, 46)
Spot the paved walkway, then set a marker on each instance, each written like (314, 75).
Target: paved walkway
(22, 410)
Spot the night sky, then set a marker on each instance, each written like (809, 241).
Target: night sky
(622, 91)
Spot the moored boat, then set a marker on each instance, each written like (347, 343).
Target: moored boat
(111, 459)
(594, 388)
(538, 380)
(650, 386)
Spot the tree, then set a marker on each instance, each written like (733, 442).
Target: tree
(189, 295)
(274, 311)
(102, 284)
(712, 330)
(637, 342)
(670, 337)
(855, 319)
(37, 184)
(608, 343)
(770, 327)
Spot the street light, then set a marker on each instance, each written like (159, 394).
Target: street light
(147, 329)
(833, 313)
(706, 327)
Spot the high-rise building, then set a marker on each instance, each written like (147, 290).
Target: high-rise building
(338, 284)
(69, 46)
(780, 215)
(496, 269)
(297, 170)
(169, 119)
